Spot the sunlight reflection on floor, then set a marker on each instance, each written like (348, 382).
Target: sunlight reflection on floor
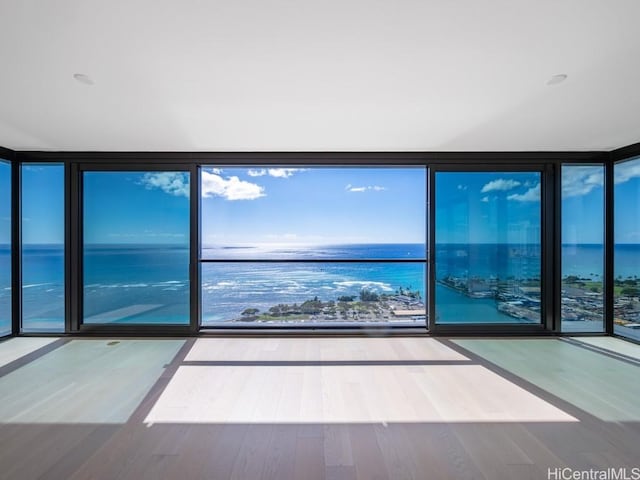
(347, 394)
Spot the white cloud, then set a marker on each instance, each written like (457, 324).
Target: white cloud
(216, 170)
(626, 171)
(485, 199)
(284, 172)
(274, 172)
(173, 183)
(375, 188)
(501, 184)
(230, 188)
(580, 180)
(462, 187)
(531, 195)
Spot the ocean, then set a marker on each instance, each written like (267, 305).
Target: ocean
(150, 283)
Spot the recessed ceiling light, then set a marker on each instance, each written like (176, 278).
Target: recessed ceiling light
(556, 79)
(82, 78)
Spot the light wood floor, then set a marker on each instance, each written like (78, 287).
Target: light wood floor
(316, 408)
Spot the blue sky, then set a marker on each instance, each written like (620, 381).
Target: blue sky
(583, 204)
(43, 207)
(5, 202)
(627, 202)
(313, 206)
(324, 205)
(483, 207)
(136, 207)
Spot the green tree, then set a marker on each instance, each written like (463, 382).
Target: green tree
(630, 292)
(311, 307)
(367, 295)
(346, 298)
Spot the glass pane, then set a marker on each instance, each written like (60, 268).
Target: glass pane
(5, 247)
(42, 200)
(136, 247)
(312, 293)
(582, 248)
(292, 213)
(487, 257)
(626, 305)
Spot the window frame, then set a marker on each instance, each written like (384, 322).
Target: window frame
(424, 168)
(631, 153)
(6, 156)
(548, 295)
(76, 267)
(549, 160)
(19, 220)
(606, 246)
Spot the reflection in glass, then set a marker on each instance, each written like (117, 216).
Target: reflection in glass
(582, 248)
(313, 293)
(487, 257)
(136, 247)
(626, 286)
(5, 247)
(42, 198)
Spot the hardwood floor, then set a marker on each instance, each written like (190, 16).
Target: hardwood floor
(316, 408)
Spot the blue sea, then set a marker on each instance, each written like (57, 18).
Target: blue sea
(150, 284)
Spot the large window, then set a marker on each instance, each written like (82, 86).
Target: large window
(42, 202)
(5, 247)
(284, 246)
(318, 246)
(488, 237)
(136, 231)
(626, 315)
(582, 248)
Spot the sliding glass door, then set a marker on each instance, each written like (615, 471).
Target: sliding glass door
(136, 244)
(488, 240)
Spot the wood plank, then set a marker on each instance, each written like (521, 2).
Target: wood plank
(461, 418)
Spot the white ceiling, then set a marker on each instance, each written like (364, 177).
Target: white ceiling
(324, 75)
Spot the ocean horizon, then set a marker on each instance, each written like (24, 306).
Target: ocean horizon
(157, 275)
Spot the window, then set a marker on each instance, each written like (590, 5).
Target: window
(136, 233)
(5, 247)
(487, 238)
(626, 306)
(42, 226)
(315, 245)
(582, 248)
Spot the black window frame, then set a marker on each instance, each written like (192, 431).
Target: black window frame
(75, 317)
(19, 221)
(339, 325)
(607, 268)
(547, 296)
(8, 156)
(622, 155)
(431, 160)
